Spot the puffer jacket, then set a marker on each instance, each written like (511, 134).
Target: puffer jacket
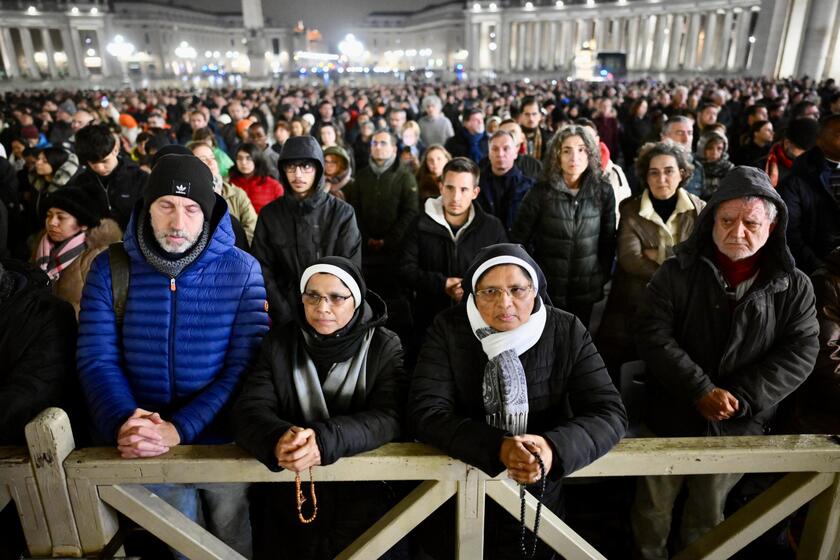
(814, 228)
(37, 337)
(572, 237)
(185, 340)
(268, 404)
(692, 343)
(572, 402)
(292, 234)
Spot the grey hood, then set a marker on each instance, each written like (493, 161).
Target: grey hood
(302, 147)
(740, 182)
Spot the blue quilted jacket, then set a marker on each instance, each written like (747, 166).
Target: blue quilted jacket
(185, 344)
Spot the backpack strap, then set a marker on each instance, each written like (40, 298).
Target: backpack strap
(120, 274)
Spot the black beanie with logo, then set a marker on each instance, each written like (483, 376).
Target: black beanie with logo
(181, 175)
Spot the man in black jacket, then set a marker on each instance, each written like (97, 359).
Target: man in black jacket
(469, 141)
(443, 241)
(301, 227)
(503, 185)
(812, 195)
(116, 181)
(727, 329)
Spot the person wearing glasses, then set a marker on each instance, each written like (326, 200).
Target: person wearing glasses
(307, 224)
(327, 386)
(384, 195)
(504, 376)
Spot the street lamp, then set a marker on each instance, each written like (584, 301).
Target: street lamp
(351, 47)
(121, 50)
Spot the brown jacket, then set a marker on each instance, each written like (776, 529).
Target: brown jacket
(640, 229)
(72, 279)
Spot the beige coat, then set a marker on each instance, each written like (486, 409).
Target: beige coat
(240, 207)
(72, 279)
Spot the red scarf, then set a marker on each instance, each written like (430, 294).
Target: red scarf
(735, 272)
(778, 151)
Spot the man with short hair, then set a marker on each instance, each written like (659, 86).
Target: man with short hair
(536, 136)
(471, 140)
(80, 120)
(680, 129)
(384, 195)
(503, 186)
(116, 181)
(396, 121)
(302, 226)
(799, 137)
(727, 329)
(162, 372)
(707, 115)
(442, 242)
(237, 112)
(812, 194)
(528, 165)
(258, 137)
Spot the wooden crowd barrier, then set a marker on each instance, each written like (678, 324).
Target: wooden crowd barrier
(75, 494)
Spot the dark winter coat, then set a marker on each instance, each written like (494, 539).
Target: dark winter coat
(572, 402)
(692, 343)
(119, 191)
(431, 255)
(814, 227)
(458, 145)
(268, 404)
(291, 234)
(37, 351)
(572, 237)
(501, 196)
(185, 341)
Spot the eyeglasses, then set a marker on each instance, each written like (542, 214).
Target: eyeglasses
(334, 300)
(493, 294)
(305, 166)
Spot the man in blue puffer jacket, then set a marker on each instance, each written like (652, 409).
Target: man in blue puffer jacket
(194, 318)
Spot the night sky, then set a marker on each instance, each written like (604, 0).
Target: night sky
(334, 18)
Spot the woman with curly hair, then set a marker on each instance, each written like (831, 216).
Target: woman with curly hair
(652, 223)
(567, 221)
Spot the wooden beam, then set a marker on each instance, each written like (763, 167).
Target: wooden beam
(167, 523)
(553, 531)
(470, 515)
(756, 517)
(401, 519)
(18, 484)
(96, 521)
(50, 440)
(821, 538)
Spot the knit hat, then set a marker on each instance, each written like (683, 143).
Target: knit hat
(803, 132)
(29, 132)
(78, 203)
(128, 121)
(68, 107)
(181, 175)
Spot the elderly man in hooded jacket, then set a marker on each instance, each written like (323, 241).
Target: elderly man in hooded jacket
(301, 227)
(728, 329)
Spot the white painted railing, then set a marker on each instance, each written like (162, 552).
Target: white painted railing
(75, 494)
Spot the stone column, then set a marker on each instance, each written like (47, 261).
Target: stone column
(768, 29)
(675, 40)
(660, 37)
(520, 51)
(503, 46)
(50, 51)
(741, 40)
(551, 62)
(821, 21)
(725, 42)
(73, 50)
(598, 34)
(7, 51)
(29, 52)
(536, 56)
(691, 42)
(618, 35)
(100, 50)
(710, 42)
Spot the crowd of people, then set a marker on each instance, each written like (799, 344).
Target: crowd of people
(315, 272)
